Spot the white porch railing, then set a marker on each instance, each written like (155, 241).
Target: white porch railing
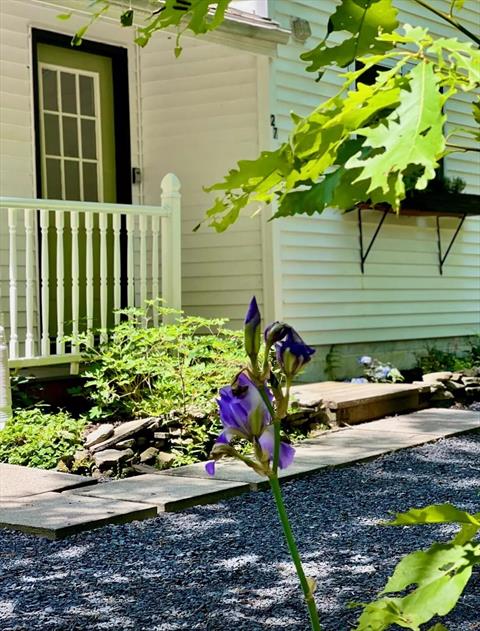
(70, 263)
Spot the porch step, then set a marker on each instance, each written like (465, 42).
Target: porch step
(353, 403)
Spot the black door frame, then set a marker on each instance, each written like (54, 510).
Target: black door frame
(123, 165)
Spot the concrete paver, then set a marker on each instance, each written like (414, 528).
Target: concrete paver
(167, 493)
(435, 421)
(58, 515)
(349, 445)
(18, 481)
(27, 504)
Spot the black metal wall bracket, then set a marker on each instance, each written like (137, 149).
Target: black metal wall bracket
(443, 257)
(364, 253)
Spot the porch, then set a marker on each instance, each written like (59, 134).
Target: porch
(68, 266)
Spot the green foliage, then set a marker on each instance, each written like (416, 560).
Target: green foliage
(431, 580)
(364, 19)
(198, 16)
(333, 360)
(193, 15)
(433, 359)
(38, 439)
(411, 134)
(148, 370)
(363, 144)
(151, 370)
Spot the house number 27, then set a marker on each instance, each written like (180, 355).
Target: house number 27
(273, 125)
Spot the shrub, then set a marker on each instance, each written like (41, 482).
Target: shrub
(148, 371)
(38, 439)
(434, 359)
(171, 370)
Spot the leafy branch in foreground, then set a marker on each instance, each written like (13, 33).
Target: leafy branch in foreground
(198, 16)
(369, 144)
(432, 580)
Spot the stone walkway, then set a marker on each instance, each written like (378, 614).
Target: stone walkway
(56, 505)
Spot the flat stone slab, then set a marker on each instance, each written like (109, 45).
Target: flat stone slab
(349, 445)
(226, 470)
(18, 481)
(58, 515)
(122, 432)
(167, 493)
(434, 421)
(339, 394)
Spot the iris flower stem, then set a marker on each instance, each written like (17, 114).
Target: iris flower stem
(292, 547)
(282, 513)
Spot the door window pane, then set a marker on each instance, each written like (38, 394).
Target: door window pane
(49, 88)
(52, 134)
(70, 136)
(72, 180)
(87, 100)
(90, 182)
(69, 95)
(54, 179)
(89, 140)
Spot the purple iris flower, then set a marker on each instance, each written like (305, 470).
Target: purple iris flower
(244, 414)
(252, 329)
(293, 353)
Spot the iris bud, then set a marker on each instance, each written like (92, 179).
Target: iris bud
(293, 354)
(275, 332)
(252, 330)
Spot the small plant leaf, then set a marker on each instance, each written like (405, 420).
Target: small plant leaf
(436, 514)
(364, 19)
(126, 19)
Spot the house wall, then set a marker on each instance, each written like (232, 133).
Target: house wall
(200, 116)
(401, 298)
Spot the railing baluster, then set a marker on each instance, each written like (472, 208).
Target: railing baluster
(74, 225)
(45, 283)
(155, 266)
(59, 226)
(130, 260)
(13, 278)
(89, 274)
(29, 281)
(117, 269)
(143, 262)
(103, 223)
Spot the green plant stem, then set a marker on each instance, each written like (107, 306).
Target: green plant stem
(282, 513)
(292, 547)
(451, 20)
(461, 147)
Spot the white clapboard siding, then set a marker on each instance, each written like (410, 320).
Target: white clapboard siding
(199, 117)
(401, 296)
(17, 144)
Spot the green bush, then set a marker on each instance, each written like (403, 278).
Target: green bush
(434, 359)
(170, 370)
(146, 370)
(38, 439)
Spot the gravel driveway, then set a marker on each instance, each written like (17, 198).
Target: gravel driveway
(223, 567)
